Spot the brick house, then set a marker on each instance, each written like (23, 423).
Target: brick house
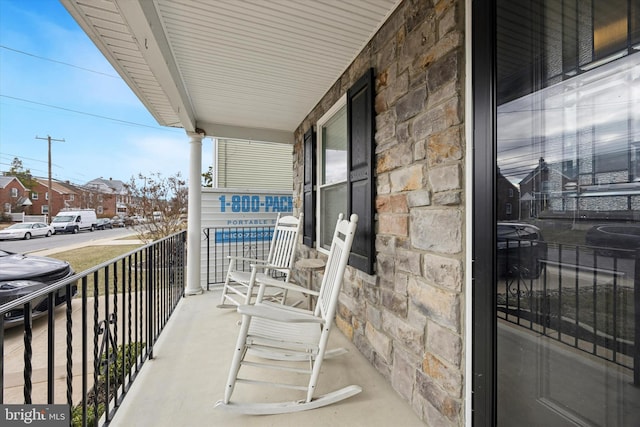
(508, 207)
(409, 131)
(108, 198)
(12, 194)
(63, 196)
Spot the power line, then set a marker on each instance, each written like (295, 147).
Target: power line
(13, 156)
(59, 62)
(68, 109)
(89, 114)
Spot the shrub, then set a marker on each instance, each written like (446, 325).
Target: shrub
(119, 363)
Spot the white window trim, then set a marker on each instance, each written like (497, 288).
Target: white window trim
(341, 102)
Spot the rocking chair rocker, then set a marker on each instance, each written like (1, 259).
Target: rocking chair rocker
(282, 334)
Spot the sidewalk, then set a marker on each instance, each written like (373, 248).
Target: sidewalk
(107, 241)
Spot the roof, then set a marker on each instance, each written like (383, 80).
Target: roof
(231, 69)
(115, 185)
(57, 186)
(6, 180)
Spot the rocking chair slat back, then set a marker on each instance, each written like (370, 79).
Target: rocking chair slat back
(283, 244)
(239, 285)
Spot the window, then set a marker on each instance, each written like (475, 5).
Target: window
(511, 192)
(14, 192)
(72, 197)
(34, 196)
(44, 209)
(332, 158)
(7, 207)
(100, 210)
(635, 162)
(569, 168)
(344, 160)
(508, 208)
(46, 195)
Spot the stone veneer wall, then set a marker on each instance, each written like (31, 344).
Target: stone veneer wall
(407, 319)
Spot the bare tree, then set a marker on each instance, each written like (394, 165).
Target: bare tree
(158, 205)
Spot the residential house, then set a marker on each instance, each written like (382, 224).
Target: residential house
(63, 196)
(402, 111)
(109, 197)
(557, 191)
(508, 204)
(13, 195)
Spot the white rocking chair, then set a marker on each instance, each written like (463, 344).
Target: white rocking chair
(239, 285)
(283, 334)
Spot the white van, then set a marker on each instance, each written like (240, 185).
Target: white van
(75, 221)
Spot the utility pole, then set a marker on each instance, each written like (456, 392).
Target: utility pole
(49, 194)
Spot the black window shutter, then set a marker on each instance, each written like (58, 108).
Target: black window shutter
(360, 159)
(309, 196)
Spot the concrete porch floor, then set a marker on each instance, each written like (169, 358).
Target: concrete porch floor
(181, 385)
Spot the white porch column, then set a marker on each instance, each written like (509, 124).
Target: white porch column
(194, 224)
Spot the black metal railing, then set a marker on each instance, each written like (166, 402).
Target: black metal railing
(583, 296)
(111, 326)
(222, 242)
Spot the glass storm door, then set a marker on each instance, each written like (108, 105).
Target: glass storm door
(567, 211)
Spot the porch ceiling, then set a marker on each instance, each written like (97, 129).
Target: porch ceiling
(235, 69)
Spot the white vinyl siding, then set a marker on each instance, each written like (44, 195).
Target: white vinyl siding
(255, 165)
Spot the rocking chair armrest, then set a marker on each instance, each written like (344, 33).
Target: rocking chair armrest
(252, 260)
(277, 314)
(285, 285)
(265, 266)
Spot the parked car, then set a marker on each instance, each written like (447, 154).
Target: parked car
(104, 223)
(137, 219)
(26, 230)
(68, 221)
(116, 221)
(609, 238)
(21, 275)
(130, 221)
(521, 248)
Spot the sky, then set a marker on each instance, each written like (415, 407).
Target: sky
(55, 82)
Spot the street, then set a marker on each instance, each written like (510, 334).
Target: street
(60, 240)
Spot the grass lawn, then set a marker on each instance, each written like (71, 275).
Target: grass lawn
(82, 259)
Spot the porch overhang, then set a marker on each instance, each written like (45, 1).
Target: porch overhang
(241, 70)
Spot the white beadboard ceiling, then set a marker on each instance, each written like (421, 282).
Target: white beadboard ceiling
(236, 69)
